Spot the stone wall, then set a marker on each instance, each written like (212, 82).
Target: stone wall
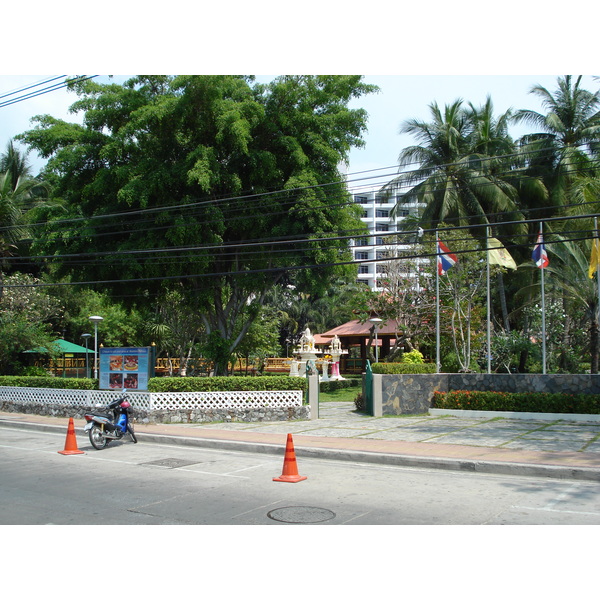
(412, 394)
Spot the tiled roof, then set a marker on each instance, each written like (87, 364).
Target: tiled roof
(357, 329)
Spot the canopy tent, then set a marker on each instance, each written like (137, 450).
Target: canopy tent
(63, 347)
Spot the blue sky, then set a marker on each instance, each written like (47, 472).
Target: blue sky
(416, 52)
(409, 96)
(401, 97)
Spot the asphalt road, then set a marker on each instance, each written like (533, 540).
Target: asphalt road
(152, 484)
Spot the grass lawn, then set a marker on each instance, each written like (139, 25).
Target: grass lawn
(342, 395)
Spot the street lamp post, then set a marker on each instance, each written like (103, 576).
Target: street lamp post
(376, 321)
(95, 321)
(86, 337)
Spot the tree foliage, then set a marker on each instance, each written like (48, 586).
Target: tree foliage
(170, 178)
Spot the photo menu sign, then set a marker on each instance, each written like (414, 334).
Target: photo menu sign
(128, 368)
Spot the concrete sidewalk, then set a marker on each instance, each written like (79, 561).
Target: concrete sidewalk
(557, 449)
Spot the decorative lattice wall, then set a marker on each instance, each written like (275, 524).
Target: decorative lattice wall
(163, 407)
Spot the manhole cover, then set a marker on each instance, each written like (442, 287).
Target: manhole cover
(171, 463)
(301, 514)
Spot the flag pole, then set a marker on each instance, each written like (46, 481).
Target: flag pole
(437, 304)
(543, 314)
(489, 342)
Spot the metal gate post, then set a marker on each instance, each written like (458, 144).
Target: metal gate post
(369, 389)
(313, 396)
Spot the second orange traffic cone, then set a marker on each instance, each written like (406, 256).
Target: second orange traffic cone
(290, 468)
(71, 441)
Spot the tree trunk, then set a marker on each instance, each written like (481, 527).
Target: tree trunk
(524, 353)
(594, 350)
(563, 361)
(502, 294)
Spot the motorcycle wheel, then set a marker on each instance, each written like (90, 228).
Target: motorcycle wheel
(97, 438)
(130, 430)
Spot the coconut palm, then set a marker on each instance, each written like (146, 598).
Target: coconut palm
(567, 137)
(15, 162)
(569, 272)
(464, 173)
(16, 200)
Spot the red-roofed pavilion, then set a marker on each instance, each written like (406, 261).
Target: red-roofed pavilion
(355, 333)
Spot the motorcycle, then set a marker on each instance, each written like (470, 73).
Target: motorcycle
(112, 423)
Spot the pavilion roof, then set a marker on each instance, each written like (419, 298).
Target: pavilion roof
(360, 330)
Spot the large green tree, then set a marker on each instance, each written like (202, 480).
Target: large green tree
(225, 185)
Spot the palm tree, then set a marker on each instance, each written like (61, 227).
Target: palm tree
(569, 270)
(15, 162)
(16, 200)
(568, 136)
(464, 166)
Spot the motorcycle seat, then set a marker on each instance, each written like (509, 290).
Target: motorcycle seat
(95, 413)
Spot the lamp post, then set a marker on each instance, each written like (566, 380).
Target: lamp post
(86, 337)
(376, 321)
(95, 321)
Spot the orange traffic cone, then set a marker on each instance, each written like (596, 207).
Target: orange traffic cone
(290, 469)
(71, 441)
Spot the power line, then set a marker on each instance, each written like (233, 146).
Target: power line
(23, 89)
(45, 90)
(290, 268)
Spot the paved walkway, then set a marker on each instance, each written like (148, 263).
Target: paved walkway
(558, 448)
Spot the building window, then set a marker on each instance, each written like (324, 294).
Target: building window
(382, 227)
(361, 256)
(362, 242)
(361, 200)
(381, 212)
(363, 269)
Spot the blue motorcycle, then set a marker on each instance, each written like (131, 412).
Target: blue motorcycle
(111, 423)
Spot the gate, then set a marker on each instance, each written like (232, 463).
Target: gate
(369, 389)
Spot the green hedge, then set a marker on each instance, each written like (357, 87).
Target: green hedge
(587, 404)
(225, 384)
(383, 368)
(65, 383)
(331, 386)
(168, 384)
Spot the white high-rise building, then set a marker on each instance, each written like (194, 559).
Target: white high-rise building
(377, 208)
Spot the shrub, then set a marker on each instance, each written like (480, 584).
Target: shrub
(518, 402)
(65, 383)
(402, 368)
(413, 357)
(225, 384)
(359, 402)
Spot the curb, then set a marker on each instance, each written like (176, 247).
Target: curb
(399, 460)
(526, 416)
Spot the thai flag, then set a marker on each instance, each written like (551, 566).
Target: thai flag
(445, 259)
(540, 256)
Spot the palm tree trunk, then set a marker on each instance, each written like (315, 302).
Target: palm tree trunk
(594, 339)
(563, 362)
(594, 347)
(502, 294)
(524, 353)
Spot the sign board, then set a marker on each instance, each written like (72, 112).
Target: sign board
(128, 368)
